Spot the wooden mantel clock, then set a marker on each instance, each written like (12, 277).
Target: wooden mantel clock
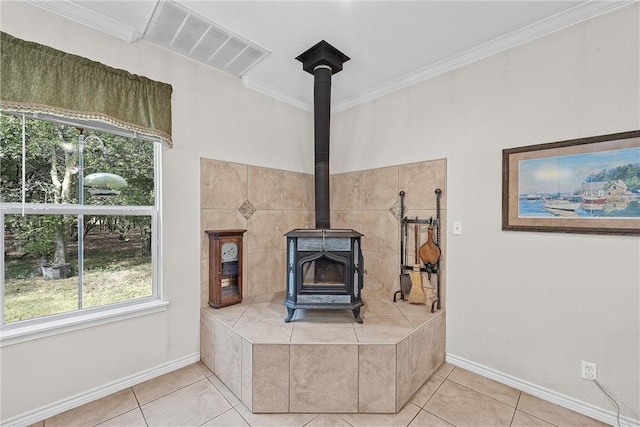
(225, 267)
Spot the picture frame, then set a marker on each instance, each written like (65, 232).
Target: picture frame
(587, 185)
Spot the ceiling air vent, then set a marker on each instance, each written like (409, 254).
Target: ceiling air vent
(184, 32)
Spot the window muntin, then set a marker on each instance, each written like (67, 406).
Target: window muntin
(121, 270)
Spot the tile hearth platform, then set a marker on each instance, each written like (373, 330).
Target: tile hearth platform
(323, 361)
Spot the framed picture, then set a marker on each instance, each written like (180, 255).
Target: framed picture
(586, 185)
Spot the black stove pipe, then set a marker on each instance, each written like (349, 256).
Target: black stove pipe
(322, 126)
(322, 60)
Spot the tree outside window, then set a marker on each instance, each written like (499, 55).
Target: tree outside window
(62, 256)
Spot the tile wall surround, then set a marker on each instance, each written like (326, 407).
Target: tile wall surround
(284, 201)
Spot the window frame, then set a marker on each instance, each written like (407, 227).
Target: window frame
(30, 329)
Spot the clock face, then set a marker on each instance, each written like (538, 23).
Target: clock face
(229, 251)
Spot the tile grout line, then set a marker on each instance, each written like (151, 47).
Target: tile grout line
(440, 418)
(176, 390)
(480, 393)
(219, 415)
(516, 408)
(486, 395)
(139, 406)
(433, 394)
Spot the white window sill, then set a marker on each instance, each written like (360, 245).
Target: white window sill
(19, 334)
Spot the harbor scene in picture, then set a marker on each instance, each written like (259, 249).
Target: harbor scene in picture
(598, 184)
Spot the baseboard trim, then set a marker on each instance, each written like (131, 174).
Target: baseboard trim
(48, 411)
(542, 393)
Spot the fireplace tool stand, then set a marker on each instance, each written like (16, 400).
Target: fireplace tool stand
(428, 268)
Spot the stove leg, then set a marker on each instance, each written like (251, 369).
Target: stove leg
(290, 312)
(356, 314)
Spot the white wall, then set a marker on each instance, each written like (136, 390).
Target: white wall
(528, 305)
(214, 116)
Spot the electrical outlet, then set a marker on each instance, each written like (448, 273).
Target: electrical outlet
(589, 370)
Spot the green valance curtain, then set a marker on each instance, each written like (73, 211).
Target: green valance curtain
(38, 79)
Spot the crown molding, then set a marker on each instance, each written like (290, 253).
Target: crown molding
(562, 20)
(258, 86)
(557, 22)
(80, 14)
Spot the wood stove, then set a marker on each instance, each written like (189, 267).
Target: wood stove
(324, 271)
(324, 266)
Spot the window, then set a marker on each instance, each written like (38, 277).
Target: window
(79, 210)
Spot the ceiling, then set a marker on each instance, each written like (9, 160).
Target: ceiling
(392, 44)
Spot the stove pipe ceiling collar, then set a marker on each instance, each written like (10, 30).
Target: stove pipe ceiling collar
(322, 60)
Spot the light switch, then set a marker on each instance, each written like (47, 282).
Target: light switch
(457, 227)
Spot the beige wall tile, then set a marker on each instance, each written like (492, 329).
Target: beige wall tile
(379, 188)
(266, 187)
(382, 272)
(265, 231)
(354, 198)
(264, 329)
(337, 330)
(298, 192)
(270, 378)
(324, 378)
(217, 219)
(228, 357)
(346, 191)
(419, 182)
(346, 220)
(207, 339)
(247, 373)
(298, 219)
(423, 343)
(265, 272)
(204, 282)
(380, 229)
(377, 378)
(438, 347)
(414, 357)
(223, 185)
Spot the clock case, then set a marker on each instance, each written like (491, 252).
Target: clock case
(225, 278)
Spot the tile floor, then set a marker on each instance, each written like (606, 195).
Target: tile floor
(194, 396)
